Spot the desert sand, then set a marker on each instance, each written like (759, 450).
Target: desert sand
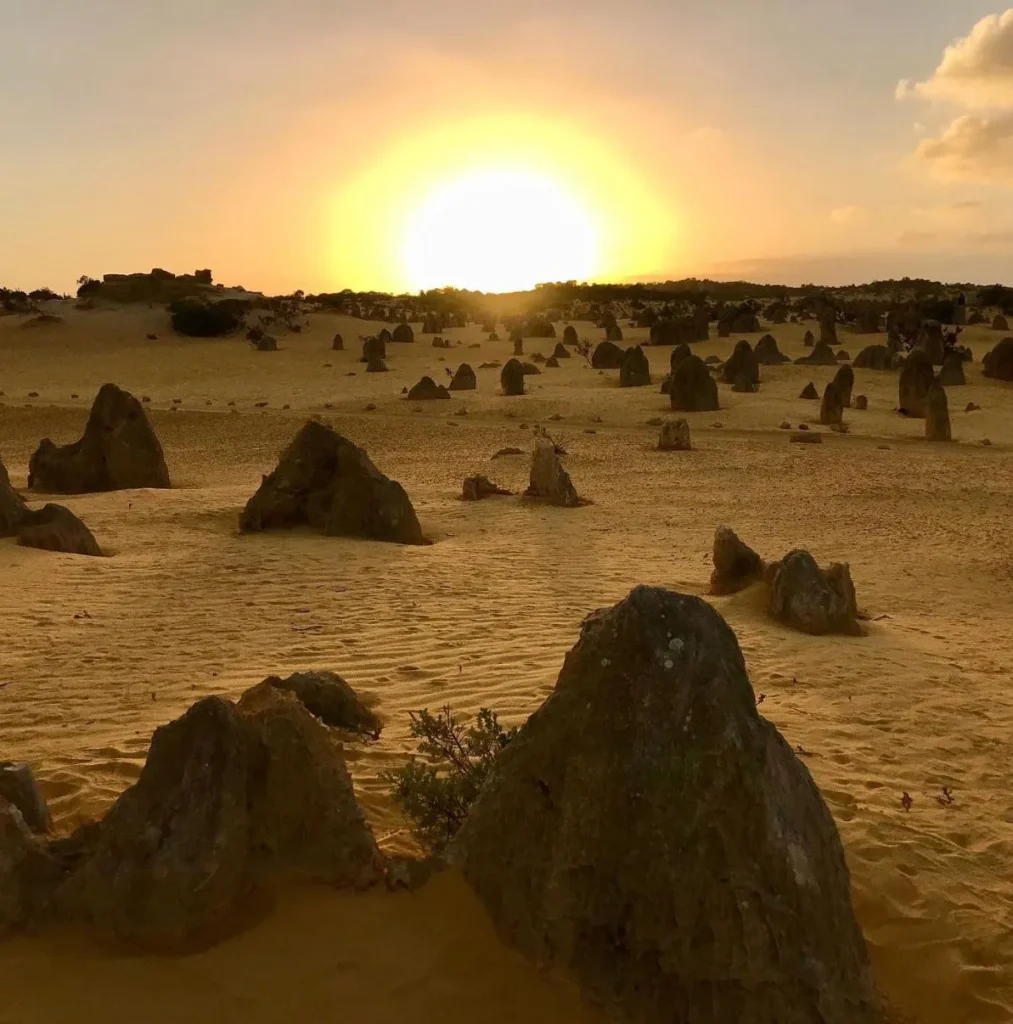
(98, 652)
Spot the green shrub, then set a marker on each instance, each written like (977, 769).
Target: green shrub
(198, 319)
(436, 791)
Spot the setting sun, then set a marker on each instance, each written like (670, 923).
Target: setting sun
(499, 229)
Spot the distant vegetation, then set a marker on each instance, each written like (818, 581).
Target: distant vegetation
(198, 319)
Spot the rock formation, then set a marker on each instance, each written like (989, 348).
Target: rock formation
(570, 335)
(1000, 323)
(811, 599)
(832, 406)
(650, 833)
(875, 357)
(19, 788)
(478, 487)
(13, 510)
(118, 451)
(511, 377)
(821, 355)
(951, 374)
(679, 353)
(808, 340)
(549, 480)
(327, 696)
(809, 393)
(636, 370)
(338, 344)
(937, 414)
(828, 327)
(998, 363)
(608, 356)
(613, 332)
(916, 378)
(426, 390)
(844, 381)
(767, 353)
(230, 798)
(736, 565)
(403, 335)
(561, 351)
(693, 389)
(742, 363)
(861, 403)
(55, 528)
(326, 482)
(674, 436)
(464, 379)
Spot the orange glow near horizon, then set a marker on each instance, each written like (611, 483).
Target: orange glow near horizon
(498, 203)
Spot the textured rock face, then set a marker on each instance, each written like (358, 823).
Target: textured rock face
(831, 408)
(649, 832)
(916, 378)
(325, 481)
(844, 382)
(937, 415)
(951, 374)
(13, 510)
(19, 788)
(674, 436)
(736, 565)
(29, 875)
(328, 697)
(118, 451)
(874, 357)
(692, 388)
(999, 362)
(55, 528)
(811, 599)
(636, 370)
(742, 365)
(767, 353)
(511, 377)
(608, 356)
(427, 390)
(475, 488)
(464, 379)
(549, 480)
(230, 797)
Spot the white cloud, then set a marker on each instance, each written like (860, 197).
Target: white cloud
(975, 71)
(974, 149)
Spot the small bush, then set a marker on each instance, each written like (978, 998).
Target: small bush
(204, 320)
(436, 792)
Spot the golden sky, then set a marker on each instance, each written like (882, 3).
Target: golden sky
(320, 145)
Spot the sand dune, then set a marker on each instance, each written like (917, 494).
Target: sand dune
(97, 653)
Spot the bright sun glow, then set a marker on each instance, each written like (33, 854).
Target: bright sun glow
(499, 229)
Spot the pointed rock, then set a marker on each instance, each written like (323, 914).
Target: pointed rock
(13, 510)
(324, 481)
(937, 415)
(464, 379)
(651, 834)
(810, 393)
(511, 378)
(118, 451)
(736, 565)
(549, 480)
(427, 390)
(692, 388)
(328, 697)
(813, 600)
(55, 528)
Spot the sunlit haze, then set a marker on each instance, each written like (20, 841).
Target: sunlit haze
(392, 145)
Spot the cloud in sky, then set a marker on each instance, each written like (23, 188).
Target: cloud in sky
(973, 149)
(849, 215)
(976, 71)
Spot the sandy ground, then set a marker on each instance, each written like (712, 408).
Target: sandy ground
(97, 653)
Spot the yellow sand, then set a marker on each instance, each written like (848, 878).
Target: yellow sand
(97, 653)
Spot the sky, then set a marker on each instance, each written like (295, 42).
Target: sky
(396, 145)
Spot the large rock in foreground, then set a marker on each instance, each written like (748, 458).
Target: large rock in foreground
(649, 832)
(325, 481)
(229, 799)
(811, 599)
(118, 451)
(55, 528)
(13, 510)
